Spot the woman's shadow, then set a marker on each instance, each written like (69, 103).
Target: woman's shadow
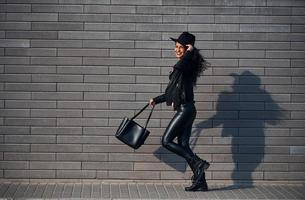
(248, 101)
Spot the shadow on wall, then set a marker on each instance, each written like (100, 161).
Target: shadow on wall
(246, 130)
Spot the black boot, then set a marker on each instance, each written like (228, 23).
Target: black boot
(199, 184)
(197, 165)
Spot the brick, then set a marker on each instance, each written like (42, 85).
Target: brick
(175, 175)
(190, 2)
(45, 78)
(137, 2)
(82, 70)
(29, 139)
(108, 61)
(135, 36)
(296, 167)
(14, 165)
(264, 45)
(56, 148)
(29, 174)
(265, 11)
(79, 174)
(32, 17)
(264, 63)
(56, 60)
(106, 113)
(30, 104)
(82, 87)
(30, 52)
(264, 28)
(29, 69)
(188, 18)
(29, 156)
(219, 10)
(16, 8)
(57, 8)
(15, 25)
(119, 157)
(14, 43)
(284, 3)
(84, 17)
(238, 175)
(99, 130)
(81, 157)
(83, 52)
(285, 176)
(158, 167)
(82, 35)
(110, 26)
(11, 130)
(108, 44)
(56, 26)
(82, 139)
(54, 165)
(57, 43)
(135, 53)
(297, 45)
(108, 96)
(150, 45)
(297, 132)
(136, 18)
(83, 104)
(285, 54)
(297, 28)
(109, 9)
(15, 95)
(239, 54)
(108, 165)
(30, 121)
(109, 79)
(214, 27)
(30, 87)
(35, 1)
(14, 113)
(31, 34)
(55, 113)
(81, 122)
(297, 72)
(160, 27)
(56, 130)
(162, 10)
(297, 150)
(15, 78)
(106, 148)
(134, 175)
(15, 147)
(297, 98)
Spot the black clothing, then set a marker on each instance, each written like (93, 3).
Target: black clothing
(181, 127)
(185, 66)
(175, 92)
(181, 124)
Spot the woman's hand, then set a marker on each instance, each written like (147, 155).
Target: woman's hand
(152, 102)
(189, 47)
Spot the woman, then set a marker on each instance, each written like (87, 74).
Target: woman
(179, 94)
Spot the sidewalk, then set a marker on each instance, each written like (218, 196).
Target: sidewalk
(146, 191)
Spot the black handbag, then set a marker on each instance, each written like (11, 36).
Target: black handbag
(131, 133)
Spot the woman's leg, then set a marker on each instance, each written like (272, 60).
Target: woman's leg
(180, 126)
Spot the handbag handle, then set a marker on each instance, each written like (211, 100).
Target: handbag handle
(142, 111)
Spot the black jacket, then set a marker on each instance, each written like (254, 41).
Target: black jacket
(180, 87)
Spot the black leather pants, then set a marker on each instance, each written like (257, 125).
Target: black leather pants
(181, 127)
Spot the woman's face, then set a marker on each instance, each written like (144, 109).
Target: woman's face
(179, 50)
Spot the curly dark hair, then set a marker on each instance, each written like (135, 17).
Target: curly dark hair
(200, 64)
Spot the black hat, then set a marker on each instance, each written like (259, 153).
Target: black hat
(185, 38)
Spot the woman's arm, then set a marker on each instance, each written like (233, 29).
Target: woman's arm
(159, 99)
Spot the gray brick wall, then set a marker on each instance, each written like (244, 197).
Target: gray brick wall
(71, 70)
